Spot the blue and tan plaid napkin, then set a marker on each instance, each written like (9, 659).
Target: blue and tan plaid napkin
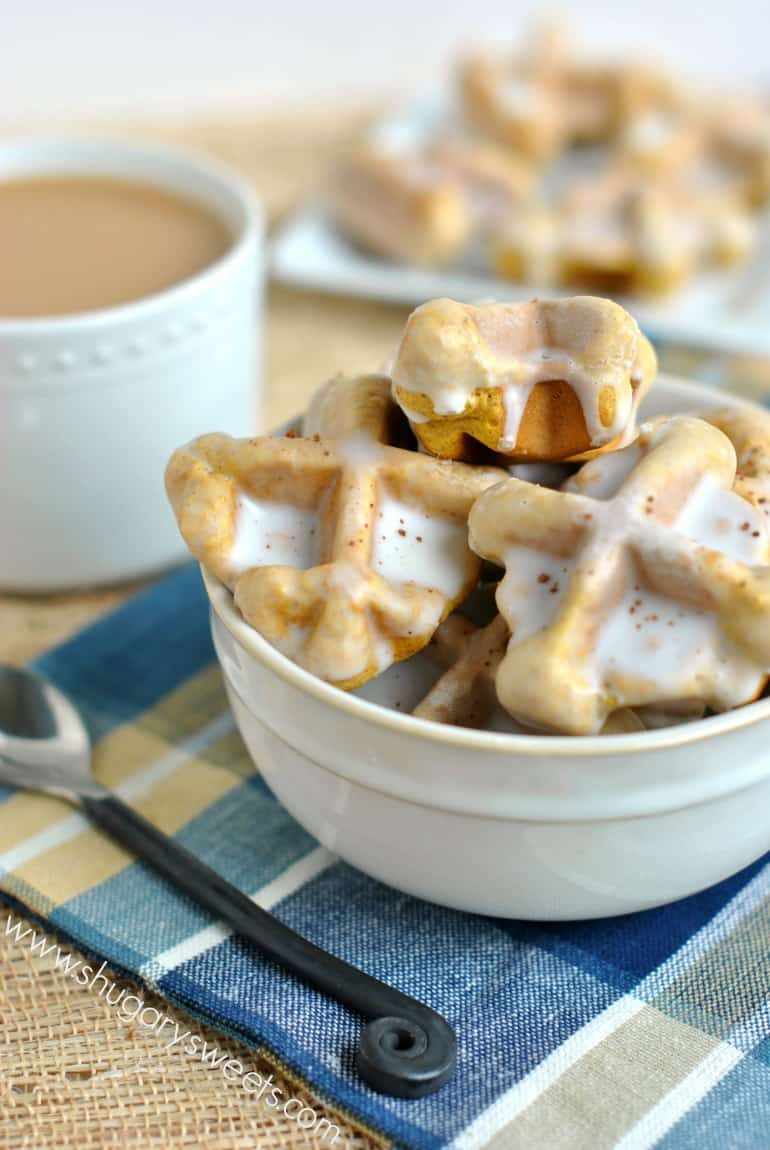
(647, 1030)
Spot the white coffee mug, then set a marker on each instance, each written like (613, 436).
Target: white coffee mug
(92, 404)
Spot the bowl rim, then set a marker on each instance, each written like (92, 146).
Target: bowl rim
(472, 739)
(166, 166)
(469, 738)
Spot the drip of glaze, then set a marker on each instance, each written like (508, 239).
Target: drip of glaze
(518, 380)
(552, 363)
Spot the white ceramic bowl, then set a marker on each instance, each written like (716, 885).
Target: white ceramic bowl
(92, 405)
(535, 827)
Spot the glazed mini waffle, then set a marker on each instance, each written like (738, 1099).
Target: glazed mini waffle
(465, 694)
(643, 583)
(515, 99)
(514, 108)
(614, 236)
(626, 234)
(749, 432)
(547, 98)
(357, 406)
(542, 380)
(401, 209)
(345, 553)
(426, 205)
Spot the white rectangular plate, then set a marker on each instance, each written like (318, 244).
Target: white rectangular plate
(727, 309)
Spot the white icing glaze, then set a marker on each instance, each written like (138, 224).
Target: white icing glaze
(724, 522)
(268, 533)
(516, 373)
(403, 685)
(451, 397)
(712, 516)
(515, 400)
(509, 350)
(532, 589)
(411, 546)
(652, 638)
(381, 648)
(555, 363)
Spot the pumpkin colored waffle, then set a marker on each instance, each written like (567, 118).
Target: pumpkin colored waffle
(545, 380)
(643, 582)
(346, 553)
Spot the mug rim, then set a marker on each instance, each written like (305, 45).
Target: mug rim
(160, 165)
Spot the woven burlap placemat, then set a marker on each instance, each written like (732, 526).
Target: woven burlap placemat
(73, 1075)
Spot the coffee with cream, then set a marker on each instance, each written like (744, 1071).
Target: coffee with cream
(78, 243)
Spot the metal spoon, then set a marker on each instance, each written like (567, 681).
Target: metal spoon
(407, 1050)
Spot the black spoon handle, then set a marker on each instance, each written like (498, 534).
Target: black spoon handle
(408, 1050)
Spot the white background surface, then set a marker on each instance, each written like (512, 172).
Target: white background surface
(86, 58)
